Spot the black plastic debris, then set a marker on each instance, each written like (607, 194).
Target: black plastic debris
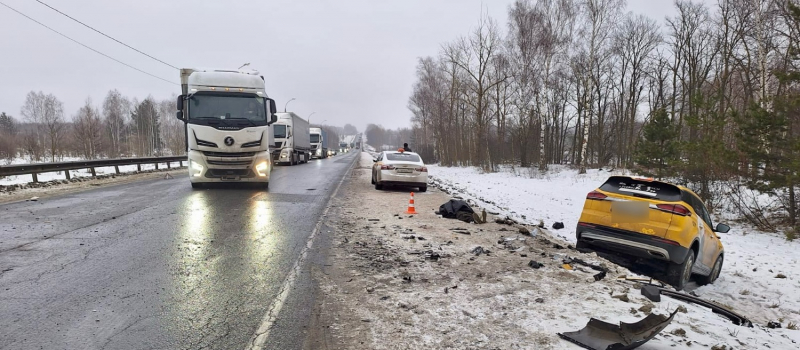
(479, 250)
(652, 292)
(598, 276)
(462, 231)
(737, 319)
(600, 335)
(535, 264)
(558, 225)
(773, 325)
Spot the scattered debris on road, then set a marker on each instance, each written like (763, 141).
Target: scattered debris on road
(600, 335)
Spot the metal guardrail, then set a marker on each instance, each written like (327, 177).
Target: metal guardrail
(37, 168)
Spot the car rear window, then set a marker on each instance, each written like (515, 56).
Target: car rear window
(642, 188)
(404, 157)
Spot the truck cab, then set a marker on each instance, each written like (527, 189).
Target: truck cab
(292, 140)
(228, 116)
(319, 143)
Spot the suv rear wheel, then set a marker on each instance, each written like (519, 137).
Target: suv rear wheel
(715, 271)
(678, 275)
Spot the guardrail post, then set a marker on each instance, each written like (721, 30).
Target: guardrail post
(180, 164)
(138, 167)
(116, 168)
(66, 172)
(169, 166)
(35, 177)
(93, 174)
(156, 165)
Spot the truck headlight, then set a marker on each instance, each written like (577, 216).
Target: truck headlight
(196, 169)
(261, 168)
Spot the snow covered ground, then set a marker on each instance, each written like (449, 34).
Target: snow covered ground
(760, 278)
(44, 177)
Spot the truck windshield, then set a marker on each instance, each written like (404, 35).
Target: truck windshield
(222, 106)
(314, 138)
(279, 131)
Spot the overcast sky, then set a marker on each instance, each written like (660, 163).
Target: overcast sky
(350, 61)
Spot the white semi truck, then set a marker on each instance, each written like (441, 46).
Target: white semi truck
(319, 143)
(228, 116)
(292, 139)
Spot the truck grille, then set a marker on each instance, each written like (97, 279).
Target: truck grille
(228, 172)
(229, 154)
(229, 162)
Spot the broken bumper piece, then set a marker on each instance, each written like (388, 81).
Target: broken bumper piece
(600, 335)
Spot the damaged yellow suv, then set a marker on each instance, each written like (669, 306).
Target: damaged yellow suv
(653, 220)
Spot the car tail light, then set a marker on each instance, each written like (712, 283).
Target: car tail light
(422, 169)
(595, 195)
(675, 209)
(387, 167)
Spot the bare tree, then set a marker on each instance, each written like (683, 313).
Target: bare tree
(88, 129)
(47, 112)
(600, 16)
(474, 55)
(115, 109)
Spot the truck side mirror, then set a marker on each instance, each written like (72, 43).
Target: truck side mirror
(272, 110)
(179, 105)
(179, 114)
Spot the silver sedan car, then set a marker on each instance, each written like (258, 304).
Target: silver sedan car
(397, 168)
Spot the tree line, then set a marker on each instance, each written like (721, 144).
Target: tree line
(709, 96)
(119, 127)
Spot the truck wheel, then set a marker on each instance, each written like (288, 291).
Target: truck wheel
(715, 271)
(293, 160)
(678, 275)
(423, 188)
(197, 185)
(265, 185)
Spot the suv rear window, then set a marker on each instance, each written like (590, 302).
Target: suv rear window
(642, 188)
(403, 157)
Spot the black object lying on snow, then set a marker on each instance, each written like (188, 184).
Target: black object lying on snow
(600, 335)
(737, 319)
(456, 209)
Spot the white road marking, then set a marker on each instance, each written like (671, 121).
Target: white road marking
(258, 339)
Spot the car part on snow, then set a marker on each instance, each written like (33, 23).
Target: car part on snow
(558, 225)
(598, 276)
(737, 319)
(651, 292)
(773, 325)
(600, 335)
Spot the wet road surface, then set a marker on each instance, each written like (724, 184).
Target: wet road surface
(157, 265)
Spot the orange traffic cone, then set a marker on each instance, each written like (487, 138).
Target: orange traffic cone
(411, 209)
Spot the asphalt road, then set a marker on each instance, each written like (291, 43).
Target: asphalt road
(157, 265)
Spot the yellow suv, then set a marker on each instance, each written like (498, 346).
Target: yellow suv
(654, 220)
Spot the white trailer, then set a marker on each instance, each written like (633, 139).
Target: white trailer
(292, 139)
(228, 116)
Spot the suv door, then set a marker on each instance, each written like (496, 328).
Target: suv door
(705, 233)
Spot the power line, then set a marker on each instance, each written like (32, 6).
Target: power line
(104, 34)
(86, 46)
